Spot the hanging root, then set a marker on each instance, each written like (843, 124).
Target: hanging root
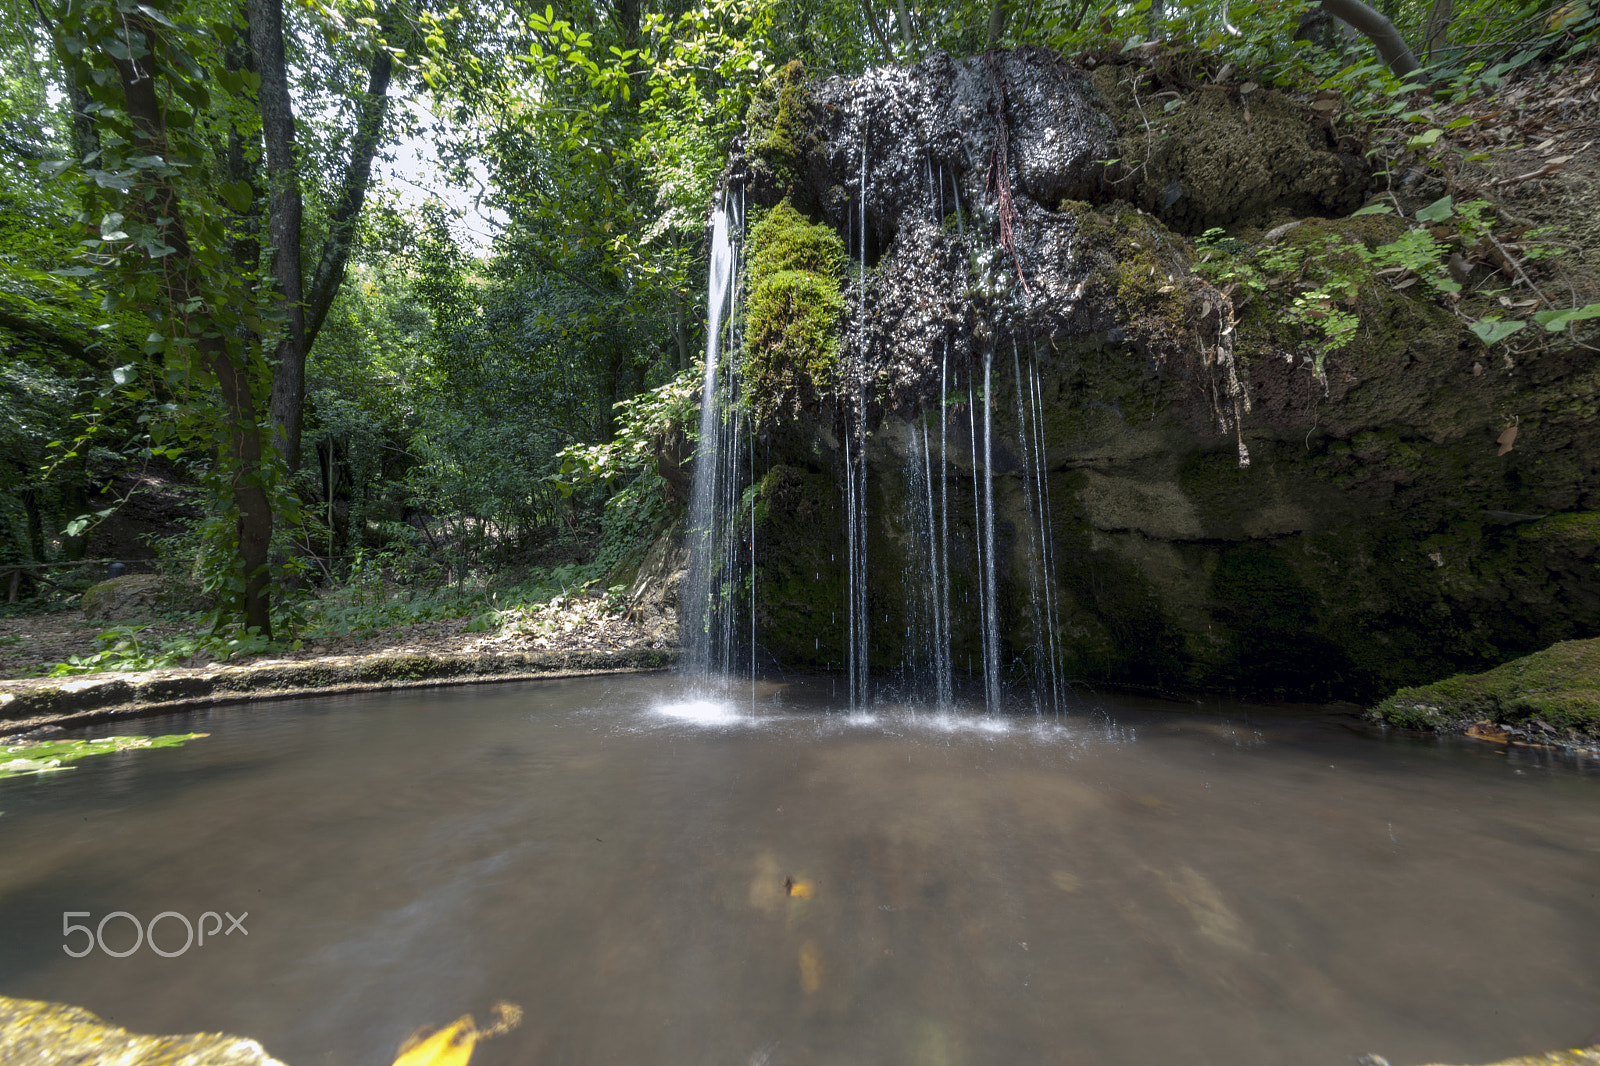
(999, 177)
(1230, 400)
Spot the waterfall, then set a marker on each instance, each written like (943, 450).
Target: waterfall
(1047, 555)
(857, 621)
(991, 622)
(1044, 650)
(715, 538)
(927, 574)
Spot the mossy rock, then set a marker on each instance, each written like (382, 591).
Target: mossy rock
(1220, 158)
(1552, 694)
(781, 133)
(791, 340)
(140, 596)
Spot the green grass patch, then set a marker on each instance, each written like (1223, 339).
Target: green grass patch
(1558, 688)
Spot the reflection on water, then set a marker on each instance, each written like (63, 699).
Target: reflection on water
(664, 874)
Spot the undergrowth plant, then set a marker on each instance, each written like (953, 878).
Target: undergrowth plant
(1317, 286)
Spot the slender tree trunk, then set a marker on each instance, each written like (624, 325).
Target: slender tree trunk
(906, 33)
(85, 140)
(329, 274)
(877, 31)
(161, 205)
(1437, 33)
(283, 227)
(997, 24)
(35, 511)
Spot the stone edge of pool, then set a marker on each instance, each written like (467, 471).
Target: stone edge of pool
(29, 703)
(55, 1032)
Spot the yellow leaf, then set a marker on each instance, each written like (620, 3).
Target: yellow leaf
(450, 1046)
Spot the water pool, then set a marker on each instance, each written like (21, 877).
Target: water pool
(1126, 885)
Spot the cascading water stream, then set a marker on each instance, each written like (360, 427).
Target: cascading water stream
(857, 621)
(991, 621)
(715, 539)
(1047, 558)
(1041, 599)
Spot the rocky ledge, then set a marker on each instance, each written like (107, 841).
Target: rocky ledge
(36, 702)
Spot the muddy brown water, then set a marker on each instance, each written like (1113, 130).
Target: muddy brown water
(1132, 884)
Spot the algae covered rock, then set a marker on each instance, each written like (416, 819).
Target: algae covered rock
(138, 596)
(1549, 696)
(50, 1034)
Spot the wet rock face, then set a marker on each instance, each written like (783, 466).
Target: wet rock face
(930, 132)
(1357, 551)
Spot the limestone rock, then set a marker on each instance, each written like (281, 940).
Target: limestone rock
(130, 596)
(50, 1034)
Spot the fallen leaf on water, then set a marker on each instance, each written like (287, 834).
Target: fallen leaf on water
(451, 1046)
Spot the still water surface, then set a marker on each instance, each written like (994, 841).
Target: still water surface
(1129, 885)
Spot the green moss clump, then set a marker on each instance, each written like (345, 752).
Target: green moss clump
(1555, 692)
(791, 339)
(779, 133)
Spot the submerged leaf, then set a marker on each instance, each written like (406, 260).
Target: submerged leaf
(33, 757)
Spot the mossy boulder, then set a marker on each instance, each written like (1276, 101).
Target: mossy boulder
(140, 596)
(1219, 156)
(1551, 695)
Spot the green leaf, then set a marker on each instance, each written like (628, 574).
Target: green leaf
(1437, 211)
(1427, 137)
(1557, 320)
(125, 375)
(1493, 331)
(158, 16)
(1374, 209)
(237, 194)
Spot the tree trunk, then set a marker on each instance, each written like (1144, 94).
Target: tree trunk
(283, 227)
(906, 33)
(35, 511)
(997, 24)
(161, 205)
(1377, 29)
(85, 140)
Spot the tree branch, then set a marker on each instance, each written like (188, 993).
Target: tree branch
(329, 274)
(1377, 29)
